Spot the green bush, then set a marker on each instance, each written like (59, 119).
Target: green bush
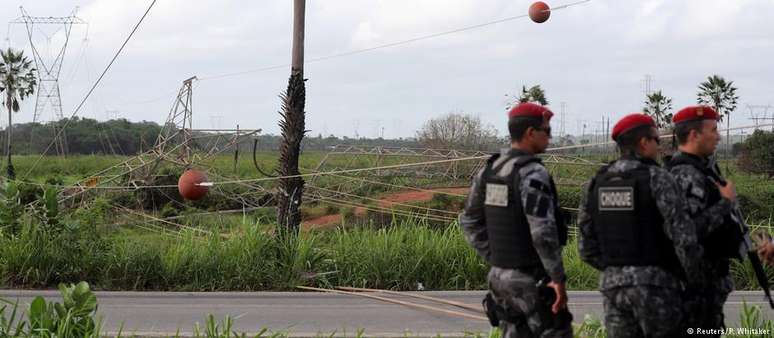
(758, 153)
(74, 317)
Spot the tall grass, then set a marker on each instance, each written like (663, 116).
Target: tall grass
(580, 276)
(408, 255)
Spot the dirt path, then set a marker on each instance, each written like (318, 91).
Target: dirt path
(385, 201)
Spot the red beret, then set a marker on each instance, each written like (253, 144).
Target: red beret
(529, 109)
(630, 122)
(695, 113)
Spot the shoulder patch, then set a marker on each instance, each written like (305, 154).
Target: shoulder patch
(538, 185)
(537, 205)
(496, 195)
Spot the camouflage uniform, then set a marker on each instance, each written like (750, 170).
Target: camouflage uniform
(644, 300)
(515, 289)
(704, 307)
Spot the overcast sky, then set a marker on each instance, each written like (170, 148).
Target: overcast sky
(593, 56)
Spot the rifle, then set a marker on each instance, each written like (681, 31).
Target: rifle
(745, 248)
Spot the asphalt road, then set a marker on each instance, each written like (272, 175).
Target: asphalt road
(309, 314)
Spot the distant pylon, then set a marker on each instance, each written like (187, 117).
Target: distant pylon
(49, 97)
(759, 119)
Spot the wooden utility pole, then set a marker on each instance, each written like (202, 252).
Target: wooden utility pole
(293, 130)
(299, 12)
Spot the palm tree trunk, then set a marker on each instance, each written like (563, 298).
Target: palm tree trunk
(292, 125)
(728, 139)
(9, 105)
(291, 189)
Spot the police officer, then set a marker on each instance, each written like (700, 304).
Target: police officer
(710, 205)
(635, 229)
(513, 220)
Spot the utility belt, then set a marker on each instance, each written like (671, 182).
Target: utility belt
(548, 319)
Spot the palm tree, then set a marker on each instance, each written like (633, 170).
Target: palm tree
(718, 93)
(657, 105)
(721, 95)
(533, 94)
(17, 80)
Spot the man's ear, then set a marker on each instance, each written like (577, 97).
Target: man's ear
(692, 134)
(530, 132)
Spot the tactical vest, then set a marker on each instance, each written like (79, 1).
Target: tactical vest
(627, 220)
(723, 243)
(510, 241)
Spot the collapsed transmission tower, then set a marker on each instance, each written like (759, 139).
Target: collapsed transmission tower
(49, 65)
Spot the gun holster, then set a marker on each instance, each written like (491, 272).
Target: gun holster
(490, 307)
(495, 312)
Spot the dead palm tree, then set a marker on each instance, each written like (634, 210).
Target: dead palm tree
(290, 189)
(292, 126)
(17, 81)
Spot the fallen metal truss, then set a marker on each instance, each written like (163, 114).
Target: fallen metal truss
(177, 144)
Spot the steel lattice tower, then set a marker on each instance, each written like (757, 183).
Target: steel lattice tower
(48, 70)
(49, 66)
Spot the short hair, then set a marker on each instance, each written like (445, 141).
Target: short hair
(682, 130)
(628, 141)
(518, 125)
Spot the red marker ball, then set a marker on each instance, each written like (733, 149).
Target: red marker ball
(539, 12)
(187, 185)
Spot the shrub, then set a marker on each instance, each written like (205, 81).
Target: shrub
(758, 153)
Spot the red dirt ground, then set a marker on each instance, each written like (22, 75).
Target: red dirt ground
(385, 201)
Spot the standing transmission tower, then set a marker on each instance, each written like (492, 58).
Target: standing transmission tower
(759, 119)
(49, 65)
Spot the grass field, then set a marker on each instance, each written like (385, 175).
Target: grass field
(41, 247)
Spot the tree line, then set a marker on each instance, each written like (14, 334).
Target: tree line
(124, 137)
(467, 131)
(84, 136)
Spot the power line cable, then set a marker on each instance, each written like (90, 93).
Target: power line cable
(336, 172)
(387, 45)
(359, 51)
